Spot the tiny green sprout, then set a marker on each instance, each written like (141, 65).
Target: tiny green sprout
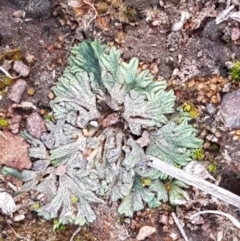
(74, 199)
(57, 226)
(121, 220)
(129, 13)
(178, 120)
(36, 206)
(212, 168)
(235, 71)
(3, 123)
(48, 117)
(88, 127)
(177, 165)
(145, 182)
(197, 154)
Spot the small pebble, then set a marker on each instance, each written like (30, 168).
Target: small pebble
(199, 54)
(206, 145)
(209, 94)
(211, 109)
(208, 120)
(214, 99)
(230, 110)
(30, 58)
(237, 132)
(235, 34)
(61, 38)
(213, 87)
(200, 86)
(203, 134)
(58, 45)
(191, 83)
(40, 196)
(21, 68)
(19, 14)
(205, 100)
(35, 125)
(51, 96)
(17, 90)
(43, 112)
(30, 91)
(60, 170)
(200, 98)
(174, 236)
(127, 220)
(218, 134)
(235, 137)
(171, 221)
(163, 219)
(154, 69)
(212, 138)
(19, 218)
(155, 23)
(165, 228)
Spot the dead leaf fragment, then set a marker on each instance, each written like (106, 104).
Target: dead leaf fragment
(111, 119)
(145, 232)
(103, 22)
(14, 151)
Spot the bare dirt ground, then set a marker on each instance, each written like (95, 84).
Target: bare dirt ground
(189, 58)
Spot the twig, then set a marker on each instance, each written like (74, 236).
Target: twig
(191, 180)
(1, 134)
(224, 15)
(71, 43)
(38, 3)
(12, 186)
(18, 236)
(230, 217)
(94, 17)
(75, 233)
(7, 74)
(180, 227)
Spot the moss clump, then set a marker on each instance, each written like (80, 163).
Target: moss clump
(212, 168)
(190, 109)
(2, 85)
(6, 80)
(102, 7)
(235, 71)
(3, 123)
(197, 154)
(116, 9)
(11, 53)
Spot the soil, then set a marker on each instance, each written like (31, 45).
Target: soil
(198, 52)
